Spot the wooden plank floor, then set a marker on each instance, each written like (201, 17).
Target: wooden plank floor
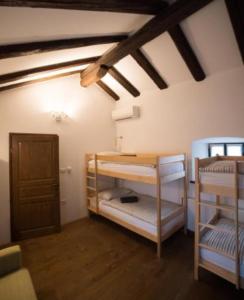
(95, 259)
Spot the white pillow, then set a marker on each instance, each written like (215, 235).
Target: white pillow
(109, 194)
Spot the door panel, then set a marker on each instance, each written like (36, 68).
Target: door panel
(33, 154)
(34, 182)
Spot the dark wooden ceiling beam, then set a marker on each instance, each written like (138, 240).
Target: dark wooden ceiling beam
(124, 82)
(36, 80)
(108, 90)
(14, 50)
(167, 19)
(142, 60)
(186, 52)
(122, 6)
(97, 74)
(27, 75)
(236, 13)
(24, 74)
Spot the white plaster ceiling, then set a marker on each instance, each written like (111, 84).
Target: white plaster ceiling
(33, 24)
(209, 32)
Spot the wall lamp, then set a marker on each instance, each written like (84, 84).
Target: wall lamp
(59, 116)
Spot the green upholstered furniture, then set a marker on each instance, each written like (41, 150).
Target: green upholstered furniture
(15, 281)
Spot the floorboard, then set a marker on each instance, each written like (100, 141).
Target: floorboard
(96, 259)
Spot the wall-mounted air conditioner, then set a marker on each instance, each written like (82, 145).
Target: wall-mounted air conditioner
(128, 112)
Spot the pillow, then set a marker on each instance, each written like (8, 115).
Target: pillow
(109, 194)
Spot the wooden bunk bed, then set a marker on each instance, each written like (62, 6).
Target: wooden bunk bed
(219, 242)
(145, 168)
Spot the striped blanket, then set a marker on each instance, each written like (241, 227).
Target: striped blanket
(224, 241)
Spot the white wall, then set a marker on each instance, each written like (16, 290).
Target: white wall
(172, 119)
(89, 128)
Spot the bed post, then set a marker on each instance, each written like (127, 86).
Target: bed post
(185, 193)
(85, 182)
(217, 202)
(217, 197)
(197, 218)
(96, 183)
(159, 244)
(237, 265)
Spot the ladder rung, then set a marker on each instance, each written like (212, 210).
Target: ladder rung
(217, 228)
(222, 206)
(217, 251)
(92, 209)
(91, 177)
(91, 188)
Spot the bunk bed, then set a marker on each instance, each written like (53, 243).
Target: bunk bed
(153, 218)
(219, 241)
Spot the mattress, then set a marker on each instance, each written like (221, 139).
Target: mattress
(140, 224)
(224, 242)
(141, 214)
(145, 209)
(165, 169)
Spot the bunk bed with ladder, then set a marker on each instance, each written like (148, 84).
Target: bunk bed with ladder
(161, 218)
(219, 241)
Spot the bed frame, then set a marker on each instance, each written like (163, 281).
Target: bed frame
(219, 191)
(148, 159)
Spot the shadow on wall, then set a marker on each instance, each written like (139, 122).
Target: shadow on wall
(4, 203)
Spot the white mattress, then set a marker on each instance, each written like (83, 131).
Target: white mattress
(223, 242)
(151, 229)
(141, 214)
(165, 169)
(145, 209)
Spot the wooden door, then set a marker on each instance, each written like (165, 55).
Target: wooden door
(34, 185)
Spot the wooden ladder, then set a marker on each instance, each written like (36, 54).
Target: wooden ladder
(201, 227)
(91, 185)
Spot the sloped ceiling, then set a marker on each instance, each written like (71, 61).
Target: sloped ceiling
(209, 32)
